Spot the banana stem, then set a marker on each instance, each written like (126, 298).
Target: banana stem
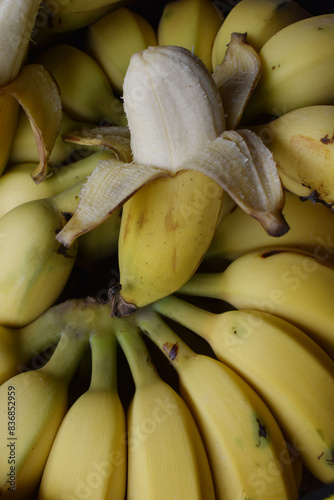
(17, 18)
(136, 353)
(66, 358)
(205, 285)
(170, 344)
(104, 373)
(196, 319)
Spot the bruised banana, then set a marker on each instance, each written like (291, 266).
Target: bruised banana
(260, 19)
(258, 345)
(114, 38)
(36, 401)
(302, 142)
(311, 229)
(292, 284)
(242, 438)
(192, 24)
(86, 93)
(166, 455)
(172, 191)
(295, 68)
(88, 456)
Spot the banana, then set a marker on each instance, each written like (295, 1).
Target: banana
(88, 456)
(25, 347)
(34, 266)
(192, 24)
(85, 90)
(292, 284)
(257, 345)
(242, 438)
(302, 142)
(310, 229)
(52, 23)
(166, 455)
(114, 38)
(16, 24)
(66, 6)
(17, 186)
(33, 405)
(260, 19)
(295, 68)
(172, 190)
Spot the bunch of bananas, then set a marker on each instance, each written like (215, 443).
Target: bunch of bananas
(167, 250)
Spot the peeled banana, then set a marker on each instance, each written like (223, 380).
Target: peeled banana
(166, 455)
(270, 353)
(302, 142)
(33, 405)
(192, 24)
(88, 456)
(260, 19)
(311, 229)
(106, 42)
(295, 69)
(290, 283)
(240, 434)
(172, 191)
(86, 93)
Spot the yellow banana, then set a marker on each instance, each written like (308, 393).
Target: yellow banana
(292, 284)
(258, 345)
(260, 19)
(33, 405)
(85, 5)
(242, 438)
(114, 38)
(34, 266)
(302, 142)
(17, 186)
(311, 229)
(172, 191)
(88, 456)
(192, 24)
(16, 24)
(166, 455)
(295, 68)
(85, 90)
(51, 22)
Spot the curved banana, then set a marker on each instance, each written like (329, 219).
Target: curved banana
(34, 266)
(35, 403)
(260, 19)
(17, 186)
(311, 229)
(192, 24)
(85, 5)
(240, 434)
(166, 455)
(302, 142)
(114, 38)
(295, 68)
(88, 456)
(85, 90)
(292, 284)
(258, 345)
(51, 22)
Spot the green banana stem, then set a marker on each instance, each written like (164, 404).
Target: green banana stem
(205, 285)
(136, 352)
(104, 373)
(67, 356)
(196, 319)
(170, 344)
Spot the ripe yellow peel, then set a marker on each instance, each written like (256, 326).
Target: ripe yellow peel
(37, 93)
